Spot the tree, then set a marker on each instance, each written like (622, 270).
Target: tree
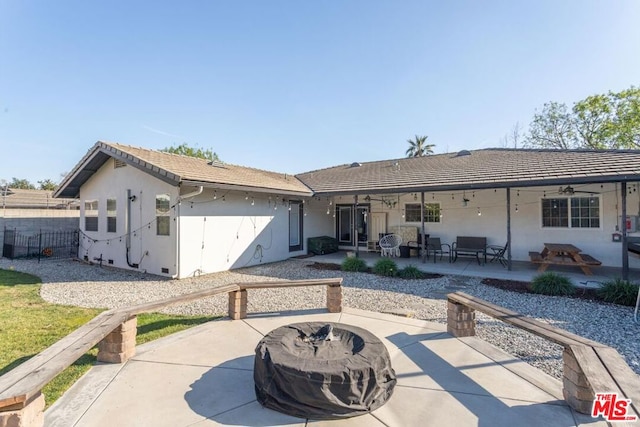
(22, 184)
(512, 139)
(608, 121)
(47, 184)
(185, 150)
(418, 147)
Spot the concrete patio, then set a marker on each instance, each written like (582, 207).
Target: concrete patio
(468, 266)
(204, 376)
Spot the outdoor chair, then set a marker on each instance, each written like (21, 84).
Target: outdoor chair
(390, 245)
(436, 247)
(497, 253)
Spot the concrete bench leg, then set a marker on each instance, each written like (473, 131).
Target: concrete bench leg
(334, 298)
(461, 320)
(575, 388)
(120, 345)
(30, 415)
(238, 304)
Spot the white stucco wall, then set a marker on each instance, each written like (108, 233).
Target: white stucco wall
(151, 252)
(527, 233)
(217, 235)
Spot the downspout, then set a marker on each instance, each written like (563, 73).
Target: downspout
(128, 238)
(180, 199)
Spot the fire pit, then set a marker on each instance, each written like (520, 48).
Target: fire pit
(322, 371)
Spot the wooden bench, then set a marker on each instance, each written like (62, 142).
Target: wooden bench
(587, 261)
(472, 246)
(589, 367)
(21, 399)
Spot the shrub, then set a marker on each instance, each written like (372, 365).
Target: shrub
(411, 272)
(354, 264)
(385, 267)
(551, 283)
(619, 291)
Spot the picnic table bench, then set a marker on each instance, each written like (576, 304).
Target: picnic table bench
(589, 367)
(563, 254)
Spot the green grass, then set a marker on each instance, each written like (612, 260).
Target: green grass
(28, 325)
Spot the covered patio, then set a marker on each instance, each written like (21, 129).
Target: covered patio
(520, 270)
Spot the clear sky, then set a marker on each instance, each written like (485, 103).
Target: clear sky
(294, 86)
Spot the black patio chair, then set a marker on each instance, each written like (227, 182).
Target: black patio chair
(436, 247)
(497, 253)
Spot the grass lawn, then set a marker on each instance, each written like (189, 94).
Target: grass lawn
(28, 325)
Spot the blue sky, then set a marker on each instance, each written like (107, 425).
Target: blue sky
(293, 86)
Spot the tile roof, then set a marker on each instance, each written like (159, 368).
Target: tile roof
(176, 169)
(487, 168)
(18, 198)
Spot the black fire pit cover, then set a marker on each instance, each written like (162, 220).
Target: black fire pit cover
(322, 371)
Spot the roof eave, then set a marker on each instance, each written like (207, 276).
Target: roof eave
(247, 188)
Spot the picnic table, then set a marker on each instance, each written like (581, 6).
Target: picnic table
(563, 254)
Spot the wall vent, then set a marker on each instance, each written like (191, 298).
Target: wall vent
(117, 163)
(165, 270)
(355, 165)
(462, 153)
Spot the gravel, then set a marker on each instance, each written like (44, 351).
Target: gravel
(76, 283)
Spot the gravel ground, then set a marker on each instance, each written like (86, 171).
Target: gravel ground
(76, 283)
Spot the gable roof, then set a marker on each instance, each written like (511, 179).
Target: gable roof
(180, 170)
(477, 169)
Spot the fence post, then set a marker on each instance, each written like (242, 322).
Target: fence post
(39, 245)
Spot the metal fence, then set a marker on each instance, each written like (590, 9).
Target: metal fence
(42, 245)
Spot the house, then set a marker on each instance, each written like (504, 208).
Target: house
(180, 216)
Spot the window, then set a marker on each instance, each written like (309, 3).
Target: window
(431, 212)
(295, 225)
(90, 215)
(111, 215)
(584, 212)
(163, 221)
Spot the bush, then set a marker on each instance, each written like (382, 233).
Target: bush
(354, 264)
(411, 272)
(619, 291)
(551, 283)
(385, 267)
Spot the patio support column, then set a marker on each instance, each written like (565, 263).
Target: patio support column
(625, 253)
(422, 239)
(355, 226)
(509, 228)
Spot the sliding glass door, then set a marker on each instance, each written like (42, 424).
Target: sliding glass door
(352, 221)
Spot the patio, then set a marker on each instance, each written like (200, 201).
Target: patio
(521, 270)
(204, 376)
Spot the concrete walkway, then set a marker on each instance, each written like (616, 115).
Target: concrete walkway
(204, 377)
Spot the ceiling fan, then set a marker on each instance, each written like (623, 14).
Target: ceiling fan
(570, 190)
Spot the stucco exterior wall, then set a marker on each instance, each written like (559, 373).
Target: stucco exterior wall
(527, 232)
(222, 230)
(151, 252)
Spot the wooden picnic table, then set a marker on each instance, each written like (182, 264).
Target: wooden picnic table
(563, 254)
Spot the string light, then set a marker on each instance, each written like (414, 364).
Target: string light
(516, 207)
(253, 202)
(479, 212)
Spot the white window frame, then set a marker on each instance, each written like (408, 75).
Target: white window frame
(569, 214)
(436, 219)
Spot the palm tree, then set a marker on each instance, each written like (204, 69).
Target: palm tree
(418, 147)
